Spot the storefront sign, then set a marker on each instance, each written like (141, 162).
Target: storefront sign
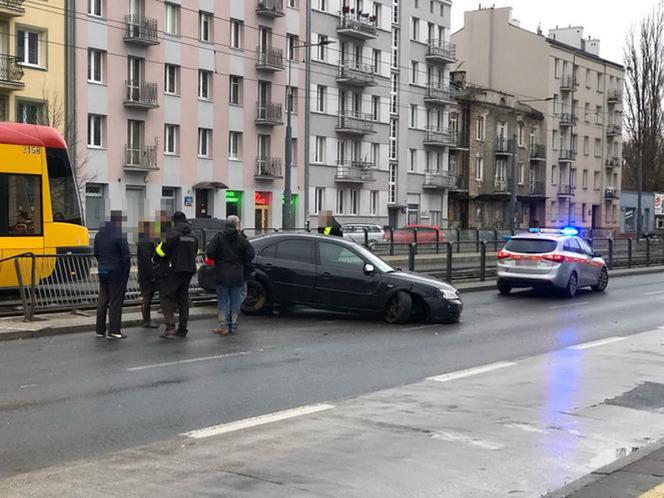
(188, 201)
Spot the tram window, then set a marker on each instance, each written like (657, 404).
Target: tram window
(21, 213)
(64, 193)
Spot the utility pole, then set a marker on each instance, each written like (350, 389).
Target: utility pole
(639, 195)
(513, 184)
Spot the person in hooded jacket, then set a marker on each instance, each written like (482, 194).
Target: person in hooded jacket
(147, 279)
(233, 257)
(176, 258)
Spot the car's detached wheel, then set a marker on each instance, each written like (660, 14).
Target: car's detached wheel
(256, 300)
(504, 289)
(572, 286)
(398, 308)
(602, 281)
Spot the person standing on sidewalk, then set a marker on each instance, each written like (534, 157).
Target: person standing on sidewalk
(114, 263)
(233, 257)
(147, 280)
(177, 264)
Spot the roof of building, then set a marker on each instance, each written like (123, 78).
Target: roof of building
(583, 53)
(28, 134)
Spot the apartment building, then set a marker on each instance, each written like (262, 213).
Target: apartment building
(181, 106)
(578, 92)
(501, 145)
(379, 138)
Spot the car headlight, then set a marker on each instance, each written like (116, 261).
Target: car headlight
(448, 293)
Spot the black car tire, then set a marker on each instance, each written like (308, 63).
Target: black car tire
(602, 282)
(572, 286)
(398, 308)
(257, 299)
(504, 289)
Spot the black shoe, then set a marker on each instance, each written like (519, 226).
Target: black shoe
(181, 333)
(150, 325)
(115, 335)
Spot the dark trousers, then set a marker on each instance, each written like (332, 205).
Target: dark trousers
(148, 296)
(112, 290)
(174, 295)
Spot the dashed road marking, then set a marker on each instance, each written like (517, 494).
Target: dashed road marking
(460, 374)
(421, 327)
(653, 293)
(594, 344)
(569, 305)
(188, 360)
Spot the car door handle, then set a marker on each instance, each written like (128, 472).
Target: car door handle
(326, 275)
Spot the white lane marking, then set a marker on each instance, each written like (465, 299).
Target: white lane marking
(526, 427)
(458, 438)
(421, 327)
(652, 293)
(594, 344)
(256, 421)
(460, 374)
(189, 360)
(569, 305)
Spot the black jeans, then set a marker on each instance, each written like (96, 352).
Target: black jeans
(148, 296)
(174, 295)
(112, 288)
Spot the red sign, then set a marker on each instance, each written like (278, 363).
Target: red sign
(262, 198)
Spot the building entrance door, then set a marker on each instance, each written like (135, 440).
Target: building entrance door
(262, 218)
(202, 203)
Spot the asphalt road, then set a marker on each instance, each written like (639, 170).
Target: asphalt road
(75, 396)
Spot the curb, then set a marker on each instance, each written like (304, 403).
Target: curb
(603, 472)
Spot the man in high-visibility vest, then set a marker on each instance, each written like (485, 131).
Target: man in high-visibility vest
(328, 225)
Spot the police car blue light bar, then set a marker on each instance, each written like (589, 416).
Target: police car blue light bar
(569, 231)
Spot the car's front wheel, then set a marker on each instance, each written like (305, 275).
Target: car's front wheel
(572, 286)
(257, 298)
(398, 308)
(602, 281)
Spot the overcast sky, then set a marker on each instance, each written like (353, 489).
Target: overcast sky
(608, 20)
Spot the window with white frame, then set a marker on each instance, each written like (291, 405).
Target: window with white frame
(588, 78)
(596, 180)
(319, 199)
(235, 90)
(319, 151)
(96, 65)
(375, 107)
(479, 168)
(554, 210)
(521, 173)
(234, 144)
(96, 130)
(205, 23)
(600, 82)
(322, 48)
(414, 28)
(584, 179)
(598, 147)
(586, 146)
(204, 142)
(412, 163)
(171, 79)
(414, 72)
(521, 135)
(96, 8)
(171, 139)
(378, 13)
(392, 184)
(321, 98)
(413, 115)
(237, 28)
(322, 5)
(480, 129)
(373, 202)
(30, 47)
(556, 67)
(598, 115)
(291, 98)
(172, 19)
(31, 112)
(204, 84)
(292, 41)
(354, 202)
(341, 197)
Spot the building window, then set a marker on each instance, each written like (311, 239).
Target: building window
(556, 68)
(598, 147)
(172, 22)
(414, 28)
(96, 130)
(319, 199)
(554, 210)
(354, 202)
(414, 70)
(392, 184)
(292, 4)
(319, 151)
(584, 179)
(588, 78)
(236, 33)
(171, 79)
(600, 85)
(412, 163)
(291, 98)
(204, 84)
(341, 196)
(413, 115)
(96, 60)
(480, 128)
(322, 5)
(171, 139)
(321, 98)
(204, 142)
(373, 202)
(554, 140)
(375, 107)
(586, 112)
(95, 8)
(235, 90)
(521, 135)
(586, 146)
(30, 112)
(322, 49)
(234, 144)
(29, 49)
(205, 23)
(168, 196)
(95, 205)
(479, 168)
(292, 41)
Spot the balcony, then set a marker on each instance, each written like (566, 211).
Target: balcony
(354, 123)
(614, 128)
(460, 140)
(441, 51)
(268, 114)
(565, 190)
(440, 137)
(501, 185)
(503, 146)
(567, 155)
(611, 193)
(439, 180)
(354, 74)
(613, 162)
(567, 83)
(354, 171)
(536, 189)
(614, 96)
(567, 119)
(268, 168)
(269, 59)
(11, 8)
(270, 8)
(141, 30)
(141, 95)
(11, 73)
(140, 158)
(441, 95)
(537, 152)
(358, 26)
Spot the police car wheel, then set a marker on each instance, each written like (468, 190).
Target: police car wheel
(398, 308)
(602, 281)
(572, 285)
(256, 300)
(504, 289)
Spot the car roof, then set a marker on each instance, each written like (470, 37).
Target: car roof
(273, 237)
(544, 236)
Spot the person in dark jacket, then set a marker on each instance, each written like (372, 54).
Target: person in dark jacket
(328, 225)
(114, 262)
(176, 257)
(233, 257)
(147, 278)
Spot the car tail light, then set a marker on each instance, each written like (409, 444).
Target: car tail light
(555, 258)
(209, 262)
(503, 255)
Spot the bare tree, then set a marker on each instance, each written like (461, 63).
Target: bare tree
(644, 102)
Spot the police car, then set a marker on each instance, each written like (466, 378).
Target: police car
(551, 258)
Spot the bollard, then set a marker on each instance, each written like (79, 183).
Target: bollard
(307, 226)
(629, 252)
(458, 240)
(495, 239)
(366, 237)
(448, 262)
(483, 261)
(477, 240)
(647, 251)
(411, 256)
(610, 245)
(391, 241)
(415, 235)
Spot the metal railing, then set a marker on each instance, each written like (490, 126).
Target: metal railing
(141, 157)
(349, 170)
(614, 96)
(565, 190)
(536, 188)
(614, 127)
(269, 113)
(269, 58)
(141, 93)
(355, 122)
(439, 179)
(352, 72)
(143, 30)
(441, 93)
(15, 5)
(268, 167)
(567, 118)
(270, 8)
(613, 162)
(361, 24)
(10, 69)
(567, 155)
(611, 193)
(440, 49)
(503, 146)
(501, 185)
(567, 82)
(537, 151)
(440, 136)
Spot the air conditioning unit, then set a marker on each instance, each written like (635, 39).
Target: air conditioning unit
(659, 223)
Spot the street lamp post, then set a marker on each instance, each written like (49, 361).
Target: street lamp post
(287, 208)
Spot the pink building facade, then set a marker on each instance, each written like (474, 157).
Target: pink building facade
(182, 106)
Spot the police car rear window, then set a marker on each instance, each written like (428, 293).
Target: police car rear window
(531, 246)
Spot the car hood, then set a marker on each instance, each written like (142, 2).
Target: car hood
(417, 279)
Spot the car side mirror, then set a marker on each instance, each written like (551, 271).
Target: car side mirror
(597, 254)
(369, 269)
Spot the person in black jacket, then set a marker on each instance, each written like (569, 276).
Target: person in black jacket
(328, 225)
(176, 257)
(114, 262)
(233, 257)
(147, 279)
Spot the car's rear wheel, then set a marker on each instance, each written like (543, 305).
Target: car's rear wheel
(602, 281)
(503, 288)
(398, 308)
(257, 298)
(572, 285)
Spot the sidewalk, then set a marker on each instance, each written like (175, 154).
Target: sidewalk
(639, 475)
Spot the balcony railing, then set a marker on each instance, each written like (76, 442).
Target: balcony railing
(567, 118)
(354, 123)
(11, 8)
(441, 94)
(440, 137)
(141, 94)
(614, 96)
(537, 152)
(354, 171)
(611, 193)
(536, 188)
(439, 179)
(11, 72)
(613, 162)
(501, 185)
(141, 157)
(441, 51)
(357, 25)
(270, 8)
(567, 83)
(614, 128)
(565, 190)
(503, 146)
(269, 114)
(268, 167)
(567, 155)
(269, 59)
(141, 30)
(356, 74)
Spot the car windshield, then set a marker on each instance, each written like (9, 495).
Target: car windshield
(531, 246)
(370, 257)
